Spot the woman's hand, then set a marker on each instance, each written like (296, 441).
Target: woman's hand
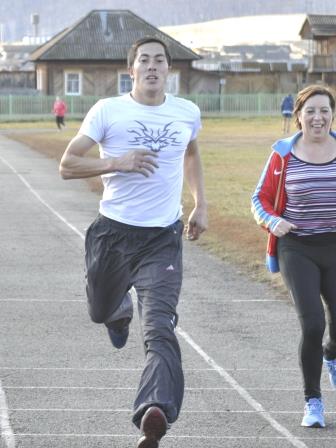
(282, 228)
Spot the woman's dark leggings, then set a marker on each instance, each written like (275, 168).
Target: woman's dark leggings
(308, 268)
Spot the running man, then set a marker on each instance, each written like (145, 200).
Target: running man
(148, 140)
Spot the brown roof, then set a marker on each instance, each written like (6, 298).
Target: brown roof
(105, 35)
(318, 26)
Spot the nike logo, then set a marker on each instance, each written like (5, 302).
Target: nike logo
(276, 172)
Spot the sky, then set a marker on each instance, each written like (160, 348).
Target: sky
(242, 30)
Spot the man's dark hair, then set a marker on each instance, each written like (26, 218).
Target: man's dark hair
(146, 40)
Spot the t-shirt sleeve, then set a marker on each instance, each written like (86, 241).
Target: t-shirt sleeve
(197, 124)
(93, 123)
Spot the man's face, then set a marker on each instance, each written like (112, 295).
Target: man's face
(150, 68)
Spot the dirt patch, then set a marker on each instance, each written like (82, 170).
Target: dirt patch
(52, 148)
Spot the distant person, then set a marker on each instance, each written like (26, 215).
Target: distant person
(287, 106)
(295, 201)
(148, 139)
(59, 110)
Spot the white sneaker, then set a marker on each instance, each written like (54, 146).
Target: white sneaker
(331, 366)
(313, 414)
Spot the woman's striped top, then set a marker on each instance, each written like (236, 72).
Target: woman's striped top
(311, 196)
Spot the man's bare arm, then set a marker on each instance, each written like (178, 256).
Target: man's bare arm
(198, 221)
(75, 165)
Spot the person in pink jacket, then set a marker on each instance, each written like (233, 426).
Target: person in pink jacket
(59, 110)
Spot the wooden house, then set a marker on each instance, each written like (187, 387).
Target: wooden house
(89, 58)
(320, 30)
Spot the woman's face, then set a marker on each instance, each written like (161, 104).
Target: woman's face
(316, 117)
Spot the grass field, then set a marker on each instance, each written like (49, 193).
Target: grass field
(234, 151)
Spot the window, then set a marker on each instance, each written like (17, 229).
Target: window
(173, 83)
(124, 83)
(73, 83)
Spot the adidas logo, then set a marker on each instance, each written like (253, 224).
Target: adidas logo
(170, 268)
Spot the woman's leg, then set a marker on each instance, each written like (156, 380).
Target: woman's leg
(302, 278)
(328, 290)
(58, 122)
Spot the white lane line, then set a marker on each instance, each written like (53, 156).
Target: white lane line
(242, 392)
(35, 193)
(108, 369)
(103, 369)
(109, 410)
(45, 300)
(196, 437)
(222, 372)
(6, 430)
(252, 301)
(66, 388)
(208, 389)
(70, 410)
(82, 300)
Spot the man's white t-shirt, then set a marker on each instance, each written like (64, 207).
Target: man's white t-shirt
(121, 124)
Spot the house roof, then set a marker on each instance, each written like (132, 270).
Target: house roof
(222, 65)
(265, 52)
(318, 26)
(105, 35)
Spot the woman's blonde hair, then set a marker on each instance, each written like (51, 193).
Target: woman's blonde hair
(307, 93)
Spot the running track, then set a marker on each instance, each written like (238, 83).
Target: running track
(63, 385)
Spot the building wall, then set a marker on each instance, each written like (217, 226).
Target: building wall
(326, 46)
(16, 81)
(203, 82)
(332, 45)
(272, 82)
(42, 78)
(185, 76)
(100, 79)
(246, 82)
(322, 78)
(322, 57)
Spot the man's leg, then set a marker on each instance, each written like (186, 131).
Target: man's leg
(158, 283)
(107, 274)
(288, 121)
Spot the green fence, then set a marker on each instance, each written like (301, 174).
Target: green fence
(237, 105)
(14, 107)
